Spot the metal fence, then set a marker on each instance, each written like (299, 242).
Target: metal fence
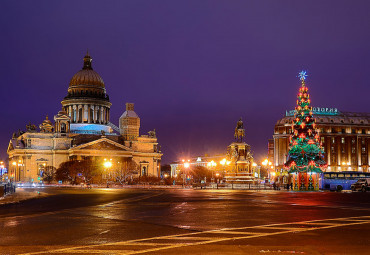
(244, 186)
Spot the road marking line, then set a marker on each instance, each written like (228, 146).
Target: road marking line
(319, 223)
(233, 232)
(237, 238)
(176, 245)
(284, 227)
(137, 243)
(99, 251)
(192, 238)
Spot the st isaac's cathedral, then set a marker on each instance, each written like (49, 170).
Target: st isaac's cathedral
(82, 130)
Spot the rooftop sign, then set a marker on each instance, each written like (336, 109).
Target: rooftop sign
(317, 111)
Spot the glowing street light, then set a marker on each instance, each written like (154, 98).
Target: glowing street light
(186, 166)
(107, 164)
(211, 166)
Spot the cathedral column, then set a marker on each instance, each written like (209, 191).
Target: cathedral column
(96, 114)
(78, 113)
(92, 113)
(101, 115)
(85, 113)
(74, 114)
(89, 117)
(70, 111)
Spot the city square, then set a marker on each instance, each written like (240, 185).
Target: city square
(177, 221)
(184, 127)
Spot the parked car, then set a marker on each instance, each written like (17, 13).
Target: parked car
(362, 184)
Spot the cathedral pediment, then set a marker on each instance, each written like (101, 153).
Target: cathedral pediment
(102, 144)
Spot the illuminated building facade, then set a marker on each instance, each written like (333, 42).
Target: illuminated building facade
(345, 137)
(236, 166)
(82, 130)
(178, 166)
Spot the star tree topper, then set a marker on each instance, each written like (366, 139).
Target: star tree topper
(302, 75)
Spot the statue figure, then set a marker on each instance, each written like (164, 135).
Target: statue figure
(152, 134)
(46, 126)
(31, 127)
(239, 131)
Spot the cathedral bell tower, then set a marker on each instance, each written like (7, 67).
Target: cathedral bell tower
(129, 123)
(62, 122)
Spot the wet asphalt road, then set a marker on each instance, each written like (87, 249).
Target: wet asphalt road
(133, 221)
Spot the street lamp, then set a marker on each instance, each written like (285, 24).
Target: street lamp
(268, 164)
(211, 165)
(186, 166)
(107, 165)
(224, 162)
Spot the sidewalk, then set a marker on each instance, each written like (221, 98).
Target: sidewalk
(20, 195)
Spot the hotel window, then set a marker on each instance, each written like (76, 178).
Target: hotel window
(363, 149)
(353, 131)
(343, 141)
(343, 149)
(333, 140)
(353, 150)
(332, 149)
(363, 141)
(28, 143)
(343, 130)
(353, 141)
(363, 131)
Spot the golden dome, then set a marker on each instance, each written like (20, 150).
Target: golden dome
(87, 76)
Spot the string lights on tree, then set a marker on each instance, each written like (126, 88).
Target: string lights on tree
(306, 155)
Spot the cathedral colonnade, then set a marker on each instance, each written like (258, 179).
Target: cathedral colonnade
(88, 113)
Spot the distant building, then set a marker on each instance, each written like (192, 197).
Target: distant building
(82, 130)
(178, 166)
(236, 166)
(345, 137)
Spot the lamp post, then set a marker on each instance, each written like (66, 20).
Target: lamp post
(107, 165)
(268, 164)
(186, 166)
(254, 165)
(211, 165)
(224, 162)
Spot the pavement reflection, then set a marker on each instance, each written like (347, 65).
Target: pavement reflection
(76, 217)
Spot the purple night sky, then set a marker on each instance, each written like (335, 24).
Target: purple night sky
(192, 68)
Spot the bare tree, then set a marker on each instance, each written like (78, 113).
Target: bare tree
(127, 168)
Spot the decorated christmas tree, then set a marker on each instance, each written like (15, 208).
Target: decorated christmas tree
(306, 155)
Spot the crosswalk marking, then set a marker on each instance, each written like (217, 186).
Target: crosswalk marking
(206, 237)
